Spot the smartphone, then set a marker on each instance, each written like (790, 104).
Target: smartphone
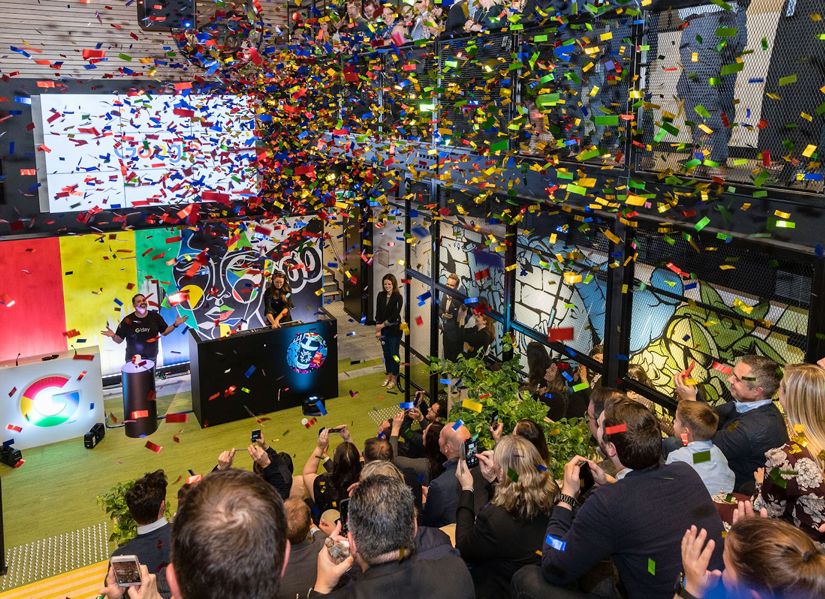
(126, 569)
(586, 478)
(343, 509)
(336, 430)
(494, 419)
(256, 435)
(470, 452)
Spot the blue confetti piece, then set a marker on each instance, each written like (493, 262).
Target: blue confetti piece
(321, 408)
(91, 406)
(555, 543)
(541, 467)
(471, 300)
(458, 424)
(445, 381)
(118, 302)
(250, 371)
(567, 376)
(819, 250)
(406, 405)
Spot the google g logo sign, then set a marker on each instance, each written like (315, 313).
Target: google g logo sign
(44, 403)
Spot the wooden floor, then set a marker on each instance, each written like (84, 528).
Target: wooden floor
(83, 583)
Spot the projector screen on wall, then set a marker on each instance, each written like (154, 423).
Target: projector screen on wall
(114, 151)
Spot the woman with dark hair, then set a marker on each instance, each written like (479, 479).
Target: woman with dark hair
(326, 490)
(278, 302)
(432, 464)
(476, 336)
(530, 430)
(388, 327)
(537, 364)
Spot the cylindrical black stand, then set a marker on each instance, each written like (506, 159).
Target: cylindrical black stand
(140, 410)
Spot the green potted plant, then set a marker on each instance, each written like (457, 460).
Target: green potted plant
(487, 391)
(113, 502)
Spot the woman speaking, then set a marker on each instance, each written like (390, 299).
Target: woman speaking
(278, 302)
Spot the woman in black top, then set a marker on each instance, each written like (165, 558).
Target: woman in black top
(478, 336)
(278, 303)
(388, 327)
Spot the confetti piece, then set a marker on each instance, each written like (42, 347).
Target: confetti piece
(177, 417)
(561, 334)
(618, 428)
(651, 567)
(474, 406)
(153, 447)
(555, 543)
(458, 424)
(701, 456)
(14, 427)
(140, 414)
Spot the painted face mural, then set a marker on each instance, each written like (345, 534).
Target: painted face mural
(222, 276)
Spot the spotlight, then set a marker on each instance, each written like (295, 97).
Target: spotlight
(94, 436)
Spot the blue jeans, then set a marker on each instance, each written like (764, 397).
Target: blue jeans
(392, 361)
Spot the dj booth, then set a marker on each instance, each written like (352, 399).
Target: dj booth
(253, 372)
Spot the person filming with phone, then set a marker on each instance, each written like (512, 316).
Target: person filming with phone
(506, 534)
(615, 522)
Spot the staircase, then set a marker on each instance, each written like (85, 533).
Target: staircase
(332, 292)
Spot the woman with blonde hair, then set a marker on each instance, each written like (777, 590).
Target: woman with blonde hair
(506, 533)
(793, 485)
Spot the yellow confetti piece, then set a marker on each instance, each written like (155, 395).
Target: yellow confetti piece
(469, 404)
(694, 57)
(571, 278)
(611, 236)
(606, 36)
(727, 267)
(706, 129)
(781, 214)
(809, 151)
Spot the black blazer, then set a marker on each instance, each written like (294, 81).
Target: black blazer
(445, 578)
(388, 311)
(744, 439)
(496, 544)
(477, 339)
(152, 549)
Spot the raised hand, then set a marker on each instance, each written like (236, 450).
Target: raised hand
(107, 332)
(225, 459)
(695, 559)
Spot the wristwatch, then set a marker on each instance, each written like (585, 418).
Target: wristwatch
(680, 590)
(569, 500)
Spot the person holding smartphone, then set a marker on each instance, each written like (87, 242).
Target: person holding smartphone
(506, 534)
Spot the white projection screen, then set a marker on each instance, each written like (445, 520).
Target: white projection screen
(115, 151)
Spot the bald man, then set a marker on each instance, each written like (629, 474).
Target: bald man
(444, 491)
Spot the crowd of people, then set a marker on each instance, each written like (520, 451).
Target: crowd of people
(731, 504)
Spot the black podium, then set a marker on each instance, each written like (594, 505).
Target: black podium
(140, 410)
(262, 370)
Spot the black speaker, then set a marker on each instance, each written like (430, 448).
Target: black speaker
(94, 436)
(10, 456)
(166, 15)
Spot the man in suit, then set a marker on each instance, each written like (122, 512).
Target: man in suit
(450, 326)
(381, 541)
(146, 500)
(749, 425)
(643, 544)
(444, 492)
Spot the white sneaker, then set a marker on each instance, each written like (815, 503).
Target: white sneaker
(386, 382)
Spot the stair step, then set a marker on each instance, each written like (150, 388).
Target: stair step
(330, 293)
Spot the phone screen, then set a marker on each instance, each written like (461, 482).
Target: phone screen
(127, 572)
(343, 509)
(494, 418)
(256, 435)
(470, 451)
(586, 478)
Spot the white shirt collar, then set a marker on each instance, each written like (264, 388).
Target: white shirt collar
(623, 472)
(147, 528)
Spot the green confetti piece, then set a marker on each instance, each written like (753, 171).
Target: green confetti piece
(125, 57)
(499, 146)
(651, 564)
(512, 475)
(785, 224)
(701, 456)
(730, 69)
(516, 27)
(588, 155)
(545, 100)
(451, 63)
(540, 38)
(787, 80)
(564, 175)
(714, 81)
(702, 111)
(764, 43)
(580, 387)
(670, 128)
(722, 4)
(711, 163)
(610, 120)
(669, 240)
(726, 32)
(702, 223)
(547, 78)
(692, 163)
(577, 189)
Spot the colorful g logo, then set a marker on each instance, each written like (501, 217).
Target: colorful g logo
(306, 352)
(43, 404)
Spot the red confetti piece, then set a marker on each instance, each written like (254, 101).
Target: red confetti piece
(724, 369)
(419, 321)
(214, 396)
(13, 391)
(178, 479)
(140, 414)
(153, 446)
(87, 53)
(72, 333)
(87, 357)
(561, 334)
(178, 417)
(20, 463)
(310, 422)
(612, 430)
(14, 427)
(82, 374)
(28, 172)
